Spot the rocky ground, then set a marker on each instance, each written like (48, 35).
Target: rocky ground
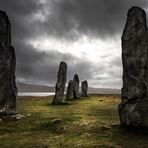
(87, 123)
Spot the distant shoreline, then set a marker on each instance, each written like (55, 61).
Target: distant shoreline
(45, 94)
(35, 94)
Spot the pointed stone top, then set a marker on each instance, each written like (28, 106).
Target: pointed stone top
(5, 29)
(84, 82)
(62, 62)
(76, 77)
(135, 24)
(136, 8)
(2, 12)
(138, 13)
(63, 65)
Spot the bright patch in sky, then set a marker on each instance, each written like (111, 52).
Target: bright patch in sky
(104, 54)
(92, 49)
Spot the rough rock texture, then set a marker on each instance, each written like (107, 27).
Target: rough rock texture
(76, 86)
(84, 88)
(60, 85)
(69, 95)
(8, 90)
(134, 106)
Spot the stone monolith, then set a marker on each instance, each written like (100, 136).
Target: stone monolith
(60, 85)
(84, 88)
(69, 95)
(76, 86)
(8, 90)
(133, 110)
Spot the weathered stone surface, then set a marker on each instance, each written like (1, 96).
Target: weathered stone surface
(60, 85)
(134, 105)
(76, 86)
(84, 88)
(134, 113)
(69, 95)
(8, 90)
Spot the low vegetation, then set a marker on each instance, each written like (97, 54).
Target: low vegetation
(86, 123)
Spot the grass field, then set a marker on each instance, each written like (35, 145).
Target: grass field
(87, 123)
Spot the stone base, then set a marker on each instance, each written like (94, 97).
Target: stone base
(60, 103)
(8, 112)
(134, 113)
(13, 117)
(84, 95)
(69, 99)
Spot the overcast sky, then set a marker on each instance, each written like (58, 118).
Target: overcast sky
(85, 34)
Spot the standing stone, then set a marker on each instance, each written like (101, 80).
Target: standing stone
(84, 88)
(60, 85)
(8, 90)
(133, 110)
(69, 95)
(76, 86)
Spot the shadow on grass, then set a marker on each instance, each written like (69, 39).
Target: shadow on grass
(92, 124)
(105, 113)
(107, 128)
(60, 104)
(130, 136)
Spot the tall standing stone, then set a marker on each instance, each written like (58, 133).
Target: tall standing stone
(133, 109)
(76, 86)
(84, 88)
(8, 90)
(69, 95)
(60, 85)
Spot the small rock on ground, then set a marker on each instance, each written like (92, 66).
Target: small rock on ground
(56, 121)
(28, 115)
(18, 116)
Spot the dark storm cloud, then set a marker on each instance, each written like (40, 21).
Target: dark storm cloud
(18, 11)
(68, 19)
(42, 67)
(101, 18)
(32, 65)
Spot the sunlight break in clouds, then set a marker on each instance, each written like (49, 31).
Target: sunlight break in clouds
(101, 53)
(86, 34)
(92, 49)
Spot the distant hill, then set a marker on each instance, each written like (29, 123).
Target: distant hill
(92, 90)
(42, 88)
(34, 88)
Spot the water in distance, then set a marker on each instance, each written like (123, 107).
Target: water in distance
(39, 94)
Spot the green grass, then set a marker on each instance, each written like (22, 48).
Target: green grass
(87, 123)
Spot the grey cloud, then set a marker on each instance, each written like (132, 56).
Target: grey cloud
(109, 73)
(20, 13)
(68, 19)
(96, 18)
(33, 66)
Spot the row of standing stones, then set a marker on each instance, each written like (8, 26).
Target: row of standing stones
(133, 109)
(72, 89)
